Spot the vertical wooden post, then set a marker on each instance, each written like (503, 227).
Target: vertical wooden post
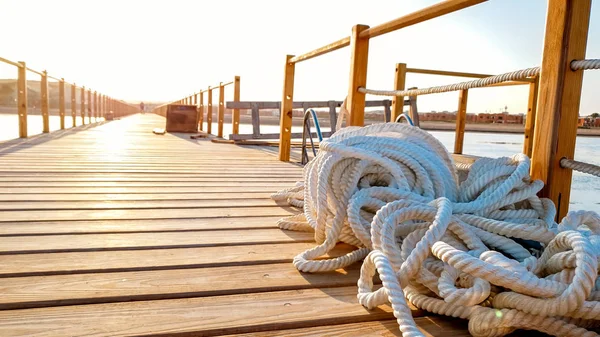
(61, 102)
(235, 118)
(285, 113)
(412, 110)
(22, 99)
(44, 103)
(359, 47)
(95, 111)
(530, 120)
(221, 108)
(255, 120)
(332, 115)
(399, 83)
(209, 112)
(555, 132)
(89, 105)
(461, 119)
(201, 111)
(196, 99)
(82, 110)
(74, 104)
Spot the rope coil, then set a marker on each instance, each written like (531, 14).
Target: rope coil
(486, 249)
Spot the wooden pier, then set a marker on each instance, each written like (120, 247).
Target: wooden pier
(111, 230)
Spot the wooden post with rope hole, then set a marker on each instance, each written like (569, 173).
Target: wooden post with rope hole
(287, 103)
(555, 132)
(22, 99)
(235, 118)
(461, 120)
(221, 110)
(209, 112)
(359, 49)
(44, 102)
(399, 83)
(82, 105)
(61, 102)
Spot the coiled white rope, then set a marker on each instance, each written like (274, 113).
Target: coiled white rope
(464, 250)
(580, 166)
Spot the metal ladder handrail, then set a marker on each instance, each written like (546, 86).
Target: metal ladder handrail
(306, 129)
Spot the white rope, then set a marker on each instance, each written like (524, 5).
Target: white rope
(580, 166)
(453, 249)
(585, 64)
(483, 82)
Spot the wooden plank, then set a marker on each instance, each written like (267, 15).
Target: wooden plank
(135, 226)
(68, 184)
(271, 187)
(138, 204)
(446, 73)
(22, 99)
(399, 84)
(136, 241)
(299, 104)
(111, 197)
(530, 119)
(461, 120)
(555, 132)
(359, 59)
(133, 214)
(22, 265)
(58, 290)
(339, 44)
(430, 326)
(287, 102)
(206, 316)
(294, 135)
(427, 13)
(235, 119)
(44, 97)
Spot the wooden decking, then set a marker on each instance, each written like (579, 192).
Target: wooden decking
(114, 231)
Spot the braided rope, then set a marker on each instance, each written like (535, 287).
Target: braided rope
(450, 248)
(585, 64)
(580, 166)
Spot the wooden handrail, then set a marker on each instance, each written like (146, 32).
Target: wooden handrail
(457, 74)
(339, 44)
(428, 13)
(16, 64)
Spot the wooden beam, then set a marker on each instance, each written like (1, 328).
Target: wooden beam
(530, 120)
(359, 59)
(82, 105)
(345, 42)
(44, 102)
(74, 104)
(235, 119)
(445, 73)
(201, 111)
(287, 102)
(461, 118)
(221, 110)
(567, 25)
(89, 105)
(399, 84)
(428, 13)
(22, 99)
(61, 102)
(209, 112)
(300, 105)
(95, 111)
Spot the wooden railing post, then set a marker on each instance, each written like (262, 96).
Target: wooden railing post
(74, 104)
(359, 48)
(44, 103)
(285, 113)
(221, 108)
(82, 110)
(89, 105)
(95, 111)
(209, 112)
(61, 102)
(530, 119)
(201, 111)
(195, 99)
(235, 118)
(555, 131)
(461, 119)
(399, 84)
(22, 99)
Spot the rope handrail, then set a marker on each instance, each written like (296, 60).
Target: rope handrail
(483, 82)
(580, 166)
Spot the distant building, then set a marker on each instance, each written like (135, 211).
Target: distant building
(502, 118)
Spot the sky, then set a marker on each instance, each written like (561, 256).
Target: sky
(163, 50)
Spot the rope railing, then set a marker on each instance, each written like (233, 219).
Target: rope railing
(480, 83)
(580, 166)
